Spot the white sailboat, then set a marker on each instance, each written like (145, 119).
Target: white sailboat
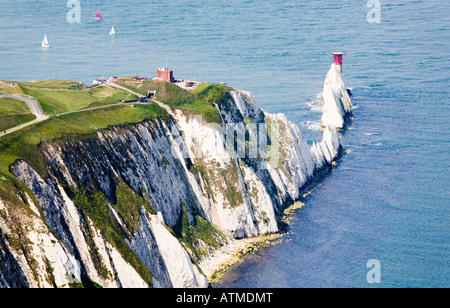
(45, 43)
(112, 32)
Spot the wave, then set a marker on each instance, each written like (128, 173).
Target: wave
(311, 125)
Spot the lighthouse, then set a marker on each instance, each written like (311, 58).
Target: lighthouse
(337, 59)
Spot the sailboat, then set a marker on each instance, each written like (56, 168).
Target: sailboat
(112, 32)
(98, 16)
(45, 43)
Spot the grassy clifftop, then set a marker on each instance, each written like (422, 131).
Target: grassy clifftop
(56, 96)
(13, 112)
(198, 101)
(58, 101)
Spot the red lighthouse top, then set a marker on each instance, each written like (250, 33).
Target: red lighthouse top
(337, 57)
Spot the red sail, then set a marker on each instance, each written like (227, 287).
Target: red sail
(98, 16)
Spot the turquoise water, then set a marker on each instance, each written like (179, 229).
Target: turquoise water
(388, 199)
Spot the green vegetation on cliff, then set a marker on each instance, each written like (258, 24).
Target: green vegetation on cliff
(200, 237)
(98, 208)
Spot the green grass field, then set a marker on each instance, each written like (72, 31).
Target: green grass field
(13, 112)
(58, 96)
(8, 88)
(201, 87)
(54, 84)
(59, 101)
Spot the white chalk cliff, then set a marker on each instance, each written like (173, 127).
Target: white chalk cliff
(337, 104)
(139, 205)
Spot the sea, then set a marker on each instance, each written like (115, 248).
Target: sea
(380, 218)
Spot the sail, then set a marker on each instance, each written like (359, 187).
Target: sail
(45, 42)
(98, 16)
(112, 32)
